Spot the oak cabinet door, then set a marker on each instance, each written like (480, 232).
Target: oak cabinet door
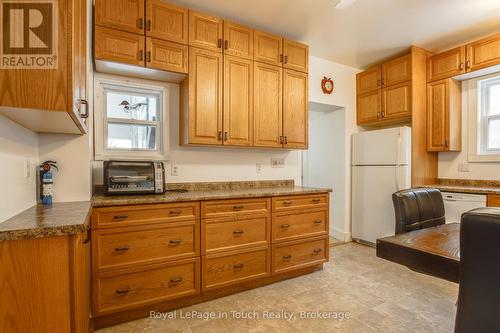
(368, 80)
(119, 46)
(368, 108)
(238, 40)
(446, 64)
(205, 97)
(295, 109)
(166, 56)
(268, 106)
(205, 31)
(268, 48)
(444, 115)
(166, 21)
(483, 53)
(396, 71)
(78, 94)
(296, 55)
(125, 15)
(238, 101)
(396, 101)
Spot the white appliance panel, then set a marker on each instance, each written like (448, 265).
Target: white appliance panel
(382, 147)
(372, 208)
(455, 204)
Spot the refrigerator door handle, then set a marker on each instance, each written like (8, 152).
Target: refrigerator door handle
(398, 162)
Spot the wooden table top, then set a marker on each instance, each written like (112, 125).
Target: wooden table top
(434, 251)
(442, 240)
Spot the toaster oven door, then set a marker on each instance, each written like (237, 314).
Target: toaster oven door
(129, 177)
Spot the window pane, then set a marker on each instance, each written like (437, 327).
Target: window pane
(126, 136)
(131, 106)
(494, 134)
(494, 102)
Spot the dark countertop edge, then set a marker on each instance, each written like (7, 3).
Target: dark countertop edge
(464, 189)
(138, 200)
(46, 231)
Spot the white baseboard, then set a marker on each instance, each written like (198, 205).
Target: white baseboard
(340, 234)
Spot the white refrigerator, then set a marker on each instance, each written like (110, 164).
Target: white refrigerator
(381, 164)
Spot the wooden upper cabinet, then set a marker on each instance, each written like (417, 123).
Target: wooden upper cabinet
(295, 55)
(268, 48)
(238, 101)
(295, 109)
(166, 56)
(368, 107)
(119, 46)
(238, 40)
(396, 101)
(483, 53)
(268, 106)
(205, 31)
(166, 21)
(205, 97)
(126, 15)
(446, 64)
(444, 115)
(368, 80)
(396, 71)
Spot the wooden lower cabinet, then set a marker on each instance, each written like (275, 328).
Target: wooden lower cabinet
(228, 268)
(493, 200)
(45, 285)
(166, 256)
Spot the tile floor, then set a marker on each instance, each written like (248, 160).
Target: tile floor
(375, 296)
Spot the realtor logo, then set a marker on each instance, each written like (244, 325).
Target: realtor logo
(29, 34)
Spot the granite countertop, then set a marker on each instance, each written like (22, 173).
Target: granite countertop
(58, 219)
(467, 189)
(99, 200)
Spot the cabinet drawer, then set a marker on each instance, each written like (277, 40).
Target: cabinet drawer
(118, 46)
(131, 246)
(294, 225)
(228, 234)
(300, 202)
(235, 267)
(121, 216)
(298, 254)
(116, 291)
(234, 208)
(167, 56)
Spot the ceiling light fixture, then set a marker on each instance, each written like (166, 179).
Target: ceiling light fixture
(343, 4)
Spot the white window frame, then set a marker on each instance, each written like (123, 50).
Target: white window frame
(478, 124)
(104, 83)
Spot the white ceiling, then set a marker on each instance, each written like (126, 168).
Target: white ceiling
(367, 31)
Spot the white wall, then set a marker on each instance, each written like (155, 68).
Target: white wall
(449, 162)
(211, 163)
(343, 97)
(17, 146)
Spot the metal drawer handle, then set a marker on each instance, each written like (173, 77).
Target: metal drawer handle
(316, 200)
(287, 203)
(175, 212)
(285, 226)
(318, 222)
(122, 291)
(176, 280)
(120, 217)
(238, 232)
(175, 241)
(122, 249)
(287, 257)
(238, 208)
(316, 251)
(139, 24)
(238, 266)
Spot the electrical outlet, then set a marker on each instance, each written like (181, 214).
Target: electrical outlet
(174, 171)
(463, 167)
(277, 162)
(258, 168)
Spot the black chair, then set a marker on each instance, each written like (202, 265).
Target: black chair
(479, 290)
(418, 208)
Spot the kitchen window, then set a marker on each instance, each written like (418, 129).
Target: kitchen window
(484, 118)
(130, 121)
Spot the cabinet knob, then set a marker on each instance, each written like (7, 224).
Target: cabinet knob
(383, 114)
(86, 105)
(122, 291)
(461, 66)
(281, 58)
(148, 56)
(120, 217)
(238, 266)
(467, 65)
(140, 24)
(175, 212)
(316, 200)
(238, 232)
(378, 115)
(175, 241)
(122, 249)
(285, 140)
(140, 55)
(287, 203)
(317, 251)
(225, 136)
(226, 44)
(238, 208)
(285, 60)
(287, 257)
(176, 280)
(219, 43)
(148, 25)
(318, 222)
(285, 226)
(219, 136)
